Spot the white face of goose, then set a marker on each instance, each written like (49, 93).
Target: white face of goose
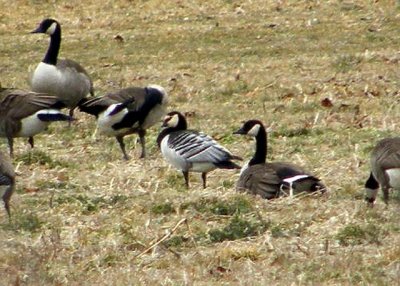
(50, 30)
(171, 121)
(254, 130)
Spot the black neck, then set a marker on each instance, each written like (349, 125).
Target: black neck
(261, 148)
(54, 47)
(371, 183)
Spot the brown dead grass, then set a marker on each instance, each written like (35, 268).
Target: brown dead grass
(322, 74)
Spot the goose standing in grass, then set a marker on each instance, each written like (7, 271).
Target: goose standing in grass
(385, 169)
(127, 111)
(65, 79)
(271, 180)
(26, 113)
(190, 150)
(7, 181)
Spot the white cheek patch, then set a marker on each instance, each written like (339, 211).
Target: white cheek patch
(254, 130)
(173, 122)
(370, 193)
(50, 30)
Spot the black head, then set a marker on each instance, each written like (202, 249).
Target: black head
(47, 26)
(176, 120)
(250, 127)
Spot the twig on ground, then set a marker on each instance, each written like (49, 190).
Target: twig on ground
(167, 235)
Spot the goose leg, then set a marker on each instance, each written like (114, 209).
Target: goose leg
(6, 200)
(142, 139)
(204, 177)
(71, 113)
(385, 190)
(31, 142)
(120, 140)
(186, 176)
(11, 145)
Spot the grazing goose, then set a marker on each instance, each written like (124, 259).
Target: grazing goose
(385, 169)
(7, 181)
(26, 113)
(189, 150)
(65, 79)
(127, 111)
(271, 180)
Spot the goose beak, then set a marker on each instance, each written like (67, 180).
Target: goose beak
(240, 132)
(36, 31)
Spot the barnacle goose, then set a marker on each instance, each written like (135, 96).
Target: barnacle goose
(127, 111)
(7, 181)
(26, 113)
(65, 79)
(190, 150)
(385, 169)
(271, 180)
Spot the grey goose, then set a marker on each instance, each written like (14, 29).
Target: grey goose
(26, 113)
(271, 180)
(127, 111)
(190, 150)
(65, 79)
(7, 181)
(385, 169)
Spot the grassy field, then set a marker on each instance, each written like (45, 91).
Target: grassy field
(323, 75)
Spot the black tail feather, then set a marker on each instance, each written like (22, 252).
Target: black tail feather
(49, 117)
(227, 165)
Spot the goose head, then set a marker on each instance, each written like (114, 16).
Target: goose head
(251, 128)
(176, 120)
(47, 26)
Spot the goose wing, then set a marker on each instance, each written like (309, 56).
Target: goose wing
(386, 153)
(197, 147)
(267, 179)
(6, 170)
(18, 104)
(71, 64)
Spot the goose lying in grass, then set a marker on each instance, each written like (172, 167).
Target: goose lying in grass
(272, 180)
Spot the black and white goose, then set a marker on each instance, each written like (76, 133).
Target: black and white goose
(190, 150)
(65, 79)
(7, 181)
(272, 180)
(127, 111)
(26, 113)
(385, 169)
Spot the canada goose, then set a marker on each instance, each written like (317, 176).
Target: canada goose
(65, 79)
(385, 169)
(271, 180)
(127, 111)
(7, 181)
(26, 113)
(190, 150)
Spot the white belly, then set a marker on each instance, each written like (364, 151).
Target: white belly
(32, 125)
(105, 121)
(202, 167)
(394, 178)
(171, 156)
(68, 85)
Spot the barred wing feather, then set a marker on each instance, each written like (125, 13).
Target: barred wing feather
(196, 147)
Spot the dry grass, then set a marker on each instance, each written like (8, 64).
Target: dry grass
(82, 216)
